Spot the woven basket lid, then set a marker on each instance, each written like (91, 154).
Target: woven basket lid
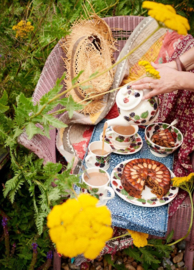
(89, 48)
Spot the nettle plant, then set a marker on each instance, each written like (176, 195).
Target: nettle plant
(29, 172)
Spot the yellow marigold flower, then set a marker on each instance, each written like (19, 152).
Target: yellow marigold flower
(87, 201)
(149, 69)
(81, 244)
(56, 232)
(103, 215)
(54, 217)
(94, 248)
(139, 239)
(190, 177)
(22, 28)
(178, 181)
(79, 226)
(167, 15)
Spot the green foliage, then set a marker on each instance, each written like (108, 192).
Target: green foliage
(133, 252)
(151, 255)
(169, 236)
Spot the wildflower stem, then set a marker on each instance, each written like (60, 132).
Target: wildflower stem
(123, 235)
(74, 192)
(191, 221)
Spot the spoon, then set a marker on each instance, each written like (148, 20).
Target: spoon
(173, 123)
(85, 171)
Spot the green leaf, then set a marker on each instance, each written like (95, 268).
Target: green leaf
(11, 184)
(53, 92)
(148, 257)
(101, 171)
(169, 236)
(53, 121)
(144, 115)
(95, 190)
(47, 131)
(32, 129)
(165, 250)
(39, 219)
(93, 74)
(70, 105)
(21, 116)
(25, 102)
(120, 267)
(84, 87)
(4, 98)
(133, 253)
(77, 77)
(3, 108)
(108, 259)
(12, 193)
(17, 132)
(54, 194)
(136, 117)
(52, 168)
(3, 135)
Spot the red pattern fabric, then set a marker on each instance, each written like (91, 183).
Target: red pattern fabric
(180, 104)
(81, 146)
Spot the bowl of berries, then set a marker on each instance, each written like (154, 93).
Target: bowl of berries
(163, 139)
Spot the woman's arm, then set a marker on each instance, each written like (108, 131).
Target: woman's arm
(170, 80)
(187, 59)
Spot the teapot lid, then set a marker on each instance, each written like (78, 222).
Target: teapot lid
(128, 98)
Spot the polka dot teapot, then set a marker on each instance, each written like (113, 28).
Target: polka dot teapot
(134, 110)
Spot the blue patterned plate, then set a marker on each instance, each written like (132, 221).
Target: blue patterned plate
(133, 148)
(148, 199)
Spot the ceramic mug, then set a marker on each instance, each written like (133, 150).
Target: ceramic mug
(96, 159)
(101, 189)
(119, 140)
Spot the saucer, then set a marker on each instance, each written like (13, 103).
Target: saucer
(133, 147)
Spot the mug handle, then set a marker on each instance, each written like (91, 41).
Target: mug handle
(89, 158)
(110, 132)
(112, 194)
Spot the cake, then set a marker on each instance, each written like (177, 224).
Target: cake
(164, 138)
(142, 172)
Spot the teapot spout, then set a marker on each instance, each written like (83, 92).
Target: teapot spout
(120, 121)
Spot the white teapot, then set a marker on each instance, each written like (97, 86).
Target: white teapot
(134, 110)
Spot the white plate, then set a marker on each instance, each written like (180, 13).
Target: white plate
(148, 199)
(133, 147)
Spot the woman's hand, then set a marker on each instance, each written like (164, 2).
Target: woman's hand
(169, 80)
